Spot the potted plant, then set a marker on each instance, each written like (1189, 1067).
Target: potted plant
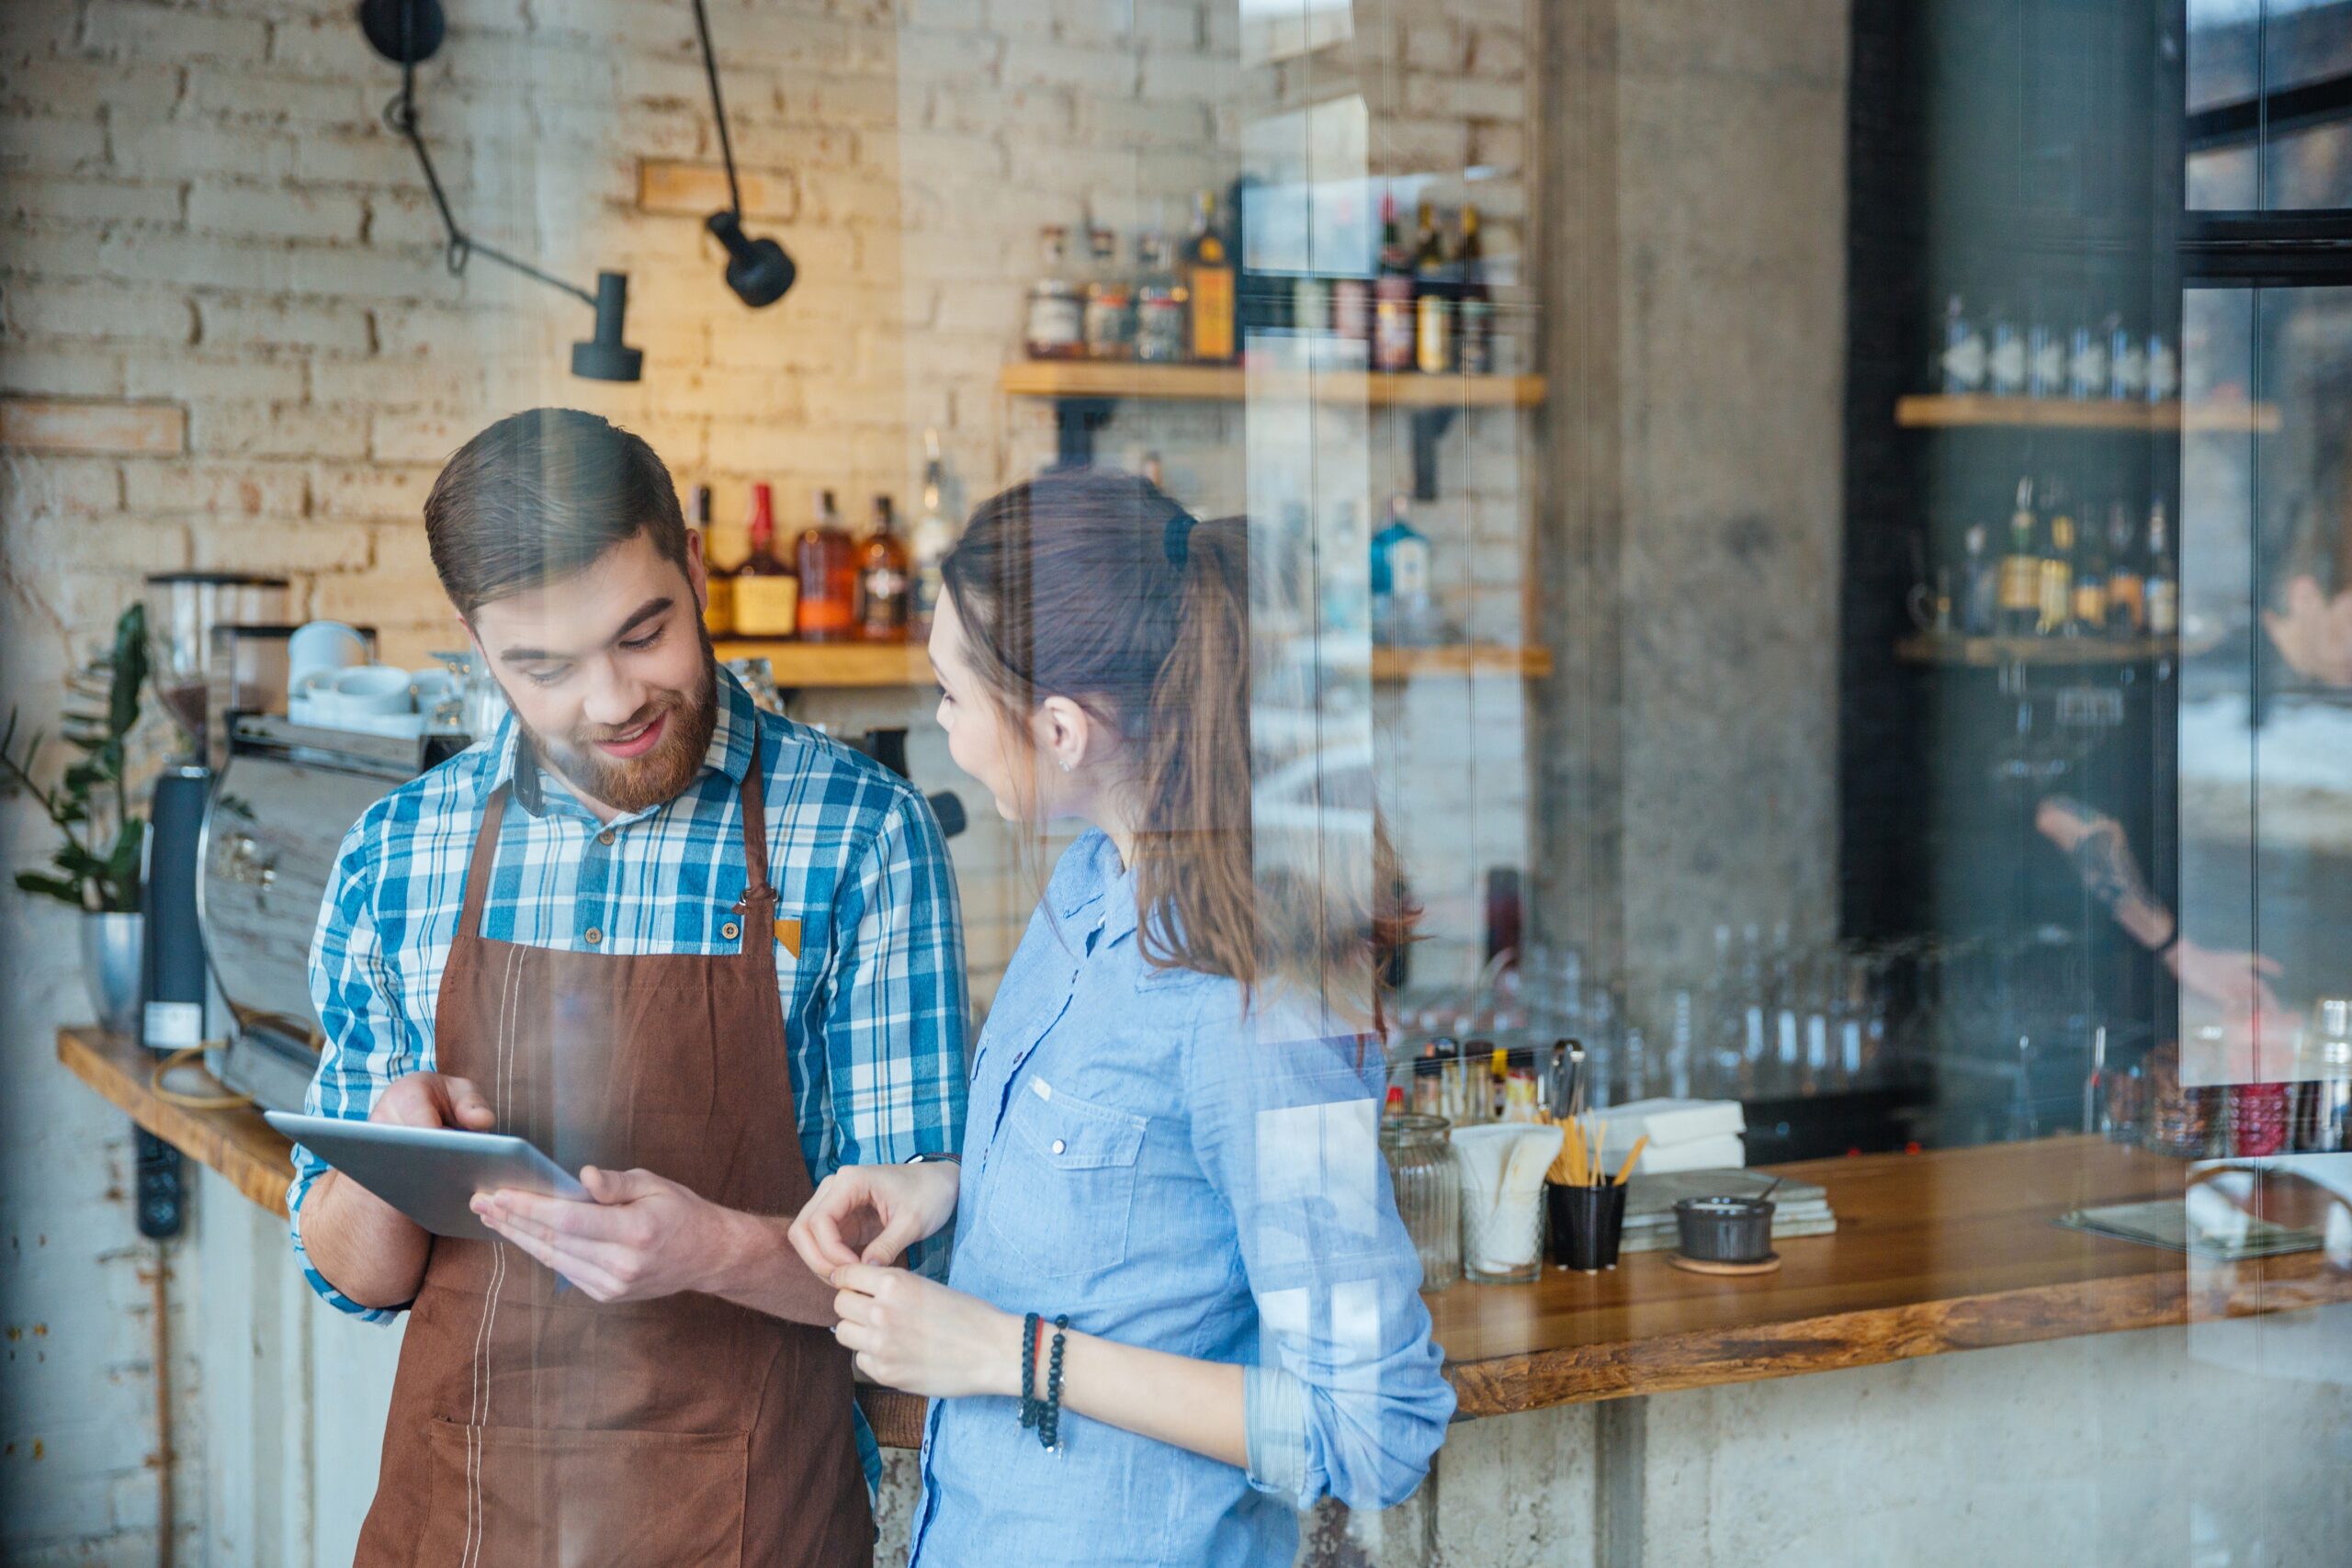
(97, 869)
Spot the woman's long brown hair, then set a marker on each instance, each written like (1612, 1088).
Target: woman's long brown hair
(1095, 586)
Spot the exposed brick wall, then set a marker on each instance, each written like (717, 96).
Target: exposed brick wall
(228, 339)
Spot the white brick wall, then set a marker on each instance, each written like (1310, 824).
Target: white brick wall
(203, 209)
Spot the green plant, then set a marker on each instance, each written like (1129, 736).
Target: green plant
(104, 883)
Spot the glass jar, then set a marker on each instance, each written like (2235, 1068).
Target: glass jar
(1429, 1192)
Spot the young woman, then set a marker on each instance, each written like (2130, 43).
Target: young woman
(1171, 1141)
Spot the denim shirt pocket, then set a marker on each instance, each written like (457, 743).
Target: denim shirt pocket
(1062, 1182)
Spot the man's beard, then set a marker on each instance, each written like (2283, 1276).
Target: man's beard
(635, 784)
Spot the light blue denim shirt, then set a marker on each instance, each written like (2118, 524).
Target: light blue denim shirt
(1174, 1172)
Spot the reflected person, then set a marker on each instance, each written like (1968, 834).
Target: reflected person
(699, 950)
(1173, 1146)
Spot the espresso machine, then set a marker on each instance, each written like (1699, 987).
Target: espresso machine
(209, 635)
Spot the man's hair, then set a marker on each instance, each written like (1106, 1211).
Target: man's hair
(541, 495)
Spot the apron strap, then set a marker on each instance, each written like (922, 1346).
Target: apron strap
(478, 868)
(755, 833)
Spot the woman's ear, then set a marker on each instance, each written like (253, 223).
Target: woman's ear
(1064, 733)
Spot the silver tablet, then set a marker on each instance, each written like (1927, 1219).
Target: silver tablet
(430, 1174)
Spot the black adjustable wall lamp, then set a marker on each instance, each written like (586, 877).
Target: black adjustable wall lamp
(757, 270)
(408, 31)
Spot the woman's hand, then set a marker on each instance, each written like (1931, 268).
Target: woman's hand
(2238, 982)
(908, 1203)
(915, 1334)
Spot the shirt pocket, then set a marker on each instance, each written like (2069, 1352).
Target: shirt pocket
(1062, 1182)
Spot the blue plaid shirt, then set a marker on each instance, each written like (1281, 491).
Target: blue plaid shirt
(873, 1014)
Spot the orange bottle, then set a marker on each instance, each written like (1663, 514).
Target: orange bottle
(827, 563)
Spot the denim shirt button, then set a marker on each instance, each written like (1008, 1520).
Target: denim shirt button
(1057, 1145)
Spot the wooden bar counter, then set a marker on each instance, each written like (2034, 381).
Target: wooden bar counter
(1936, 1252)
(1952, 1250)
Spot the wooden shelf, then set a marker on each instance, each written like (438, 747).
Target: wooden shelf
(259, 1163)
(238, 1143)
(1394, 664)
(1994, 652)
(1232, 383)
(1939, 411)
(802, 665)
(871, 667)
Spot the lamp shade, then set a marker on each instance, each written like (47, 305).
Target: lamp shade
(606, 357)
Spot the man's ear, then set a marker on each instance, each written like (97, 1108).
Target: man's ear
(697, 570)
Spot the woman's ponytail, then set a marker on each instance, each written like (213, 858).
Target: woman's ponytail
(1096, 587)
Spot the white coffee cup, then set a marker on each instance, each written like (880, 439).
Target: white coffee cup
(372, 689)
(323, 645)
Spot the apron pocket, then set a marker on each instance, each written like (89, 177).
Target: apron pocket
(522, 1498)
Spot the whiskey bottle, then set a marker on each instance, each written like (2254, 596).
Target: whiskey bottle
(2057, 578)
(719, 583)
(2088, 615)
(2164, 584)
(883, 579)
(827, 563)
(1474, 326)
(2020, 595)
(1208, 278)
(766, 593)
(1980, 602)
(2127, 597)
(1433, 299)
(934, 536)
(1392, 297)
(1056, 326)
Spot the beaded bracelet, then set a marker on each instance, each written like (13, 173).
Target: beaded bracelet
(1029, 1401)
(1049, 1416)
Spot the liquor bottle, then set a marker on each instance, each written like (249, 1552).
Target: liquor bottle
(2087, 363)
(1400, 579)
(719, 583)
(1474, 326)
(1056, 327)
(1351, 306)
(1310, 306)
(1345, 588)
(2057, 578)
(934, 536)
(1433, 299)
(767, 593)
(2005, 357)
(2045, 356)
(1208, 278)
(2164, 583)
(827, 563)
(1980, 589)
(884, 578)
(2127, 362)
(2088, 613)
(1960, 364)
(1110, 299)
(1163, 309)
(2163, 369)
(2127, 597)
(1392, 297)
(2020, 595)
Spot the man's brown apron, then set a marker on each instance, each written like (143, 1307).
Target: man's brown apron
(536, 1426)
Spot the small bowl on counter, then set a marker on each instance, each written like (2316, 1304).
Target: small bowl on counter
(1724, 1230)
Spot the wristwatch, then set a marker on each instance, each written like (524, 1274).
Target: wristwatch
(945, 1157)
